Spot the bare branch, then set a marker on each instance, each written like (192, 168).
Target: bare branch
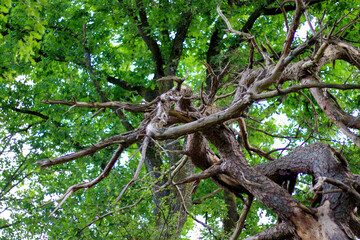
(300, 8)
(276, 56)
(342, 186)
(314, 110)
(307, 16)
(137, 108)
(187, 211)
(103, 175)
(230, 29)
(126, 139)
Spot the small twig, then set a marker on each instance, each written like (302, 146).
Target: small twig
(210, 172)
(251, 55)
(314, 110)
(213, 193)
(245, 139)
(69, 109)
(307, 16)
(269, 134)
(349, 24)
(97, 112)
(276, 56)
(225, 95)
(174, 169)
(108, 214)
(322, 17)
(330, 191)
(202, 94)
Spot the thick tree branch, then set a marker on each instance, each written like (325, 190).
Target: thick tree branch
(136, 108)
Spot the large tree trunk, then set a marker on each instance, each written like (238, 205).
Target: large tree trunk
(329, 220)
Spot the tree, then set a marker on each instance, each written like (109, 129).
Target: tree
(125, 99)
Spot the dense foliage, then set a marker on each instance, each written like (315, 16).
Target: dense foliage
(103, 51)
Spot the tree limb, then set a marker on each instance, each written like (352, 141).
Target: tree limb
(126, 139)
(136, 108)
(103, 175)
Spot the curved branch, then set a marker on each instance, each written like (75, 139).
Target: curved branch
(103, 175)
(126, 139)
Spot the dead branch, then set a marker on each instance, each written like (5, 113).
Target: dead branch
(230, 29)
(136, 108)
(307, 16)
(275, 55)
(284, 14)
(125, 139)
(103, 175)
